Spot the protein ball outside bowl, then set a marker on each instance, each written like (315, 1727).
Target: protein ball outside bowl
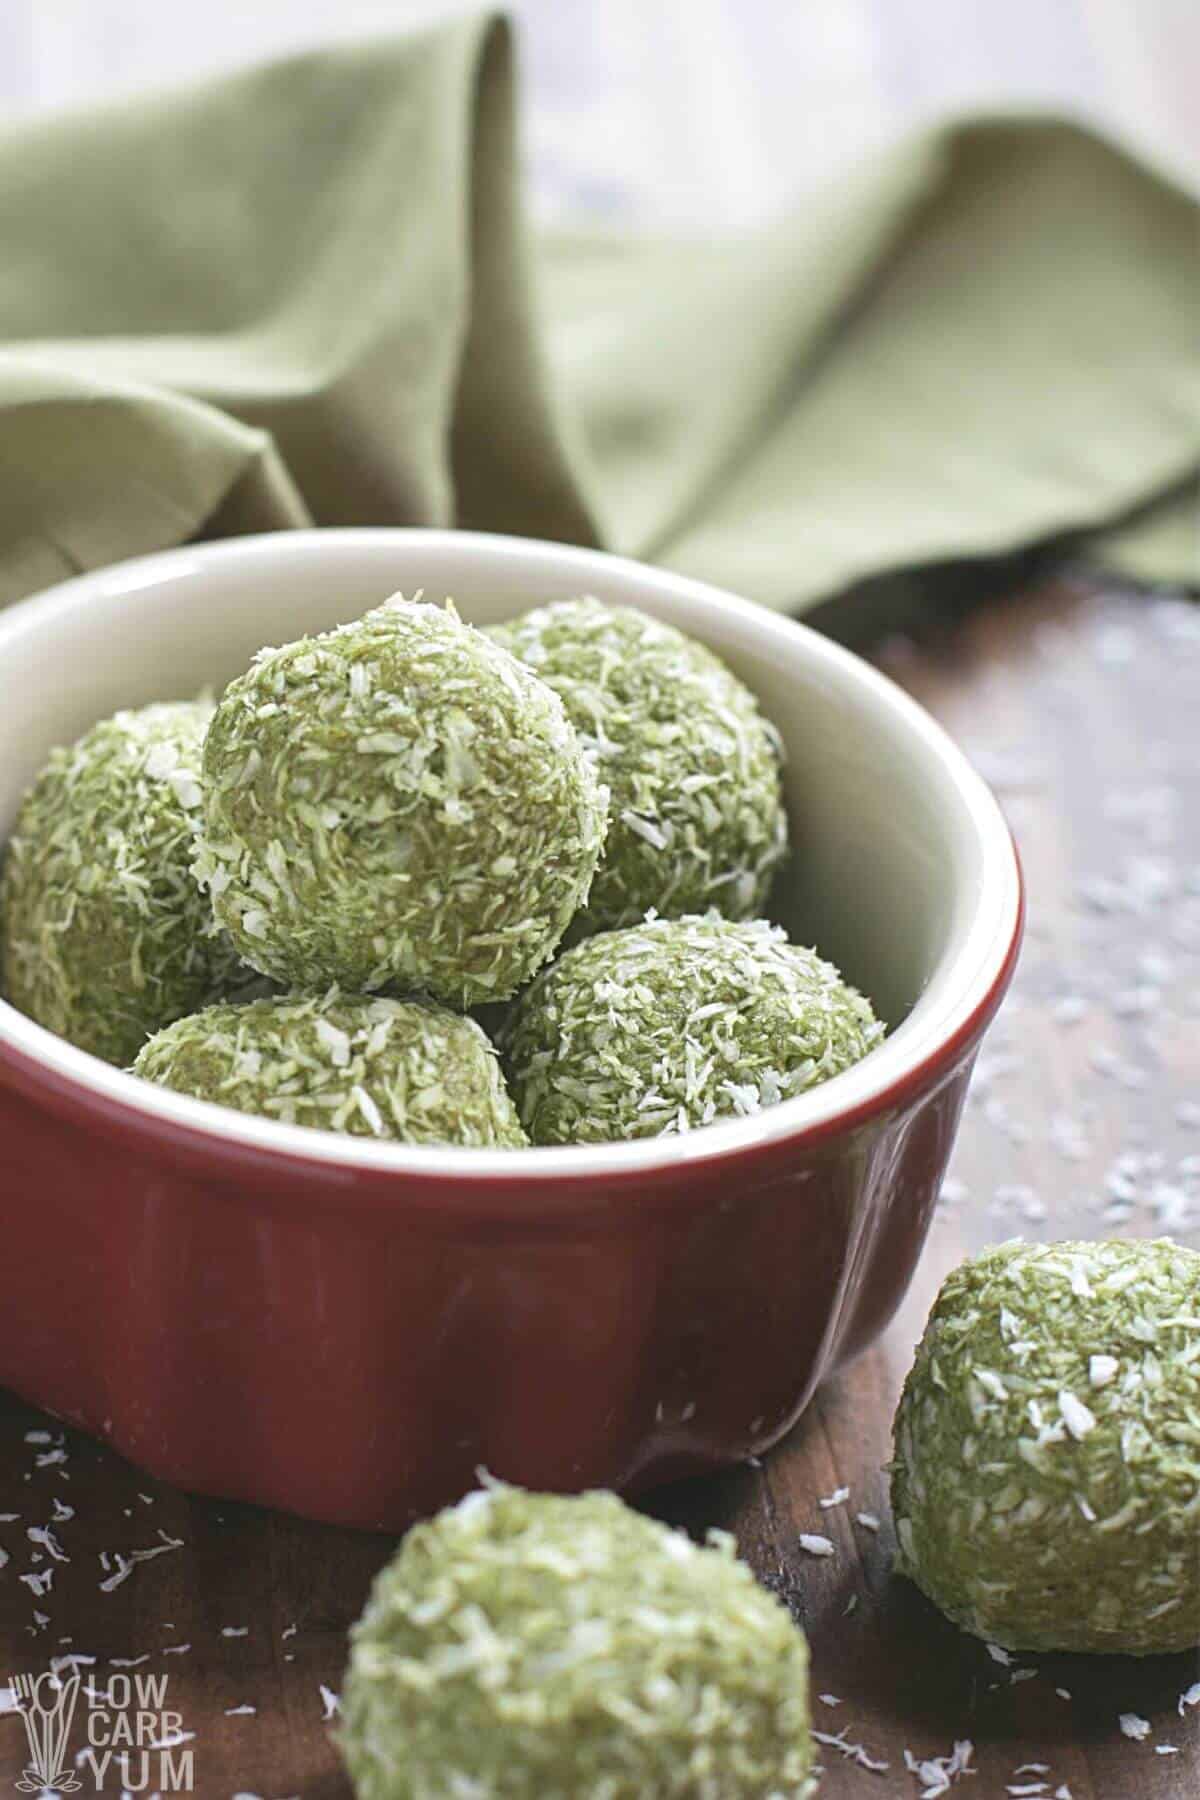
(532, 1647)
(398, 803)
(697, 816)
(1046, 1484)
(673, 1024)
(104, 935)
(370, 1067)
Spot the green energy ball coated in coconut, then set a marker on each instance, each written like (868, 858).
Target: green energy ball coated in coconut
(368, 1066)
(675, 1023)
(533, 1647)
(1046, 1482)
(697, 817)
(104, 935)
(398, 803)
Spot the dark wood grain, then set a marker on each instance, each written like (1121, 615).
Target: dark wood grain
(1082, 708)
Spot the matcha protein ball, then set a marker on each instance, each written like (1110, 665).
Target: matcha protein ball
(368, 1066)
(697, 817)
(1046, 1482)
(675, 1023)
(533, 1647)
(397, 803)
(104, 935)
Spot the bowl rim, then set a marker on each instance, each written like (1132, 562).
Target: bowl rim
(906, 1062)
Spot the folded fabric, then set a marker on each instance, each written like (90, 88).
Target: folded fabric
(307, 294)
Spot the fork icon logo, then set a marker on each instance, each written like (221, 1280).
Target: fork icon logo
(47, 1705)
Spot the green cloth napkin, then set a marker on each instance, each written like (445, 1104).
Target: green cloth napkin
(306, 294)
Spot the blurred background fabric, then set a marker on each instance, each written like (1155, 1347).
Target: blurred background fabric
(307, 293)
(677, 113)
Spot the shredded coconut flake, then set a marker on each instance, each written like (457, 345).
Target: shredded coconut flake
(938, 1773)
(1078, 1418)
(851, 1751)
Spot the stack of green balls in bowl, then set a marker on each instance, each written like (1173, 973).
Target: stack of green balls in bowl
(294, 901)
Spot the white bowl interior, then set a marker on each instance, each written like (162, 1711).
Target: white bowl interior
(902, 870)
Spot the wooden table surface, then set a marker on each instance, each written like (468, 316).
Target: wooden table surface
(1081, 707)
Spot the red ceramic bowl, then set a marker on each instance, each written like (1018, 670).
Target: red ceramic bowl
(350, 1329)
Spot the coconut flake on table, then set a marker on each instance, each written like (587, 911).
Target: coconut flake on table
(1172, 1207)
(1103, 1060)
(853, 1752)
(73, 1660)
(816, 1545)
(171, 1740)
(125, 1564)
(1134, 1727)
(1068, 1137)
(121, 1572)
(1020, 1197)
(938, 1773)
(44, 1538)
(1136, 1002)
